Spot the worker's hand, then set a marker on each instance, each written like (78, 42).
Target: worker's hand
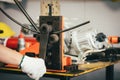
(34, 67)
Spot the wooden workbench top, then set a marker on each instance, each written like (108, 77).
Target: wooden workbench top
(83, 69)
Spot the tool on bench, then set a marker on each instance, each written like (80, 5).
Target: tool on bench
(49, 39)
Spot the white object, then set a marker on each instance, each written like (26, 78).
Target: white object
(83, 42)
(34, 67)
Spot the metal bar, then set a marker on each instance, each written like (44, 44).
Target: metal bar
(26, 14)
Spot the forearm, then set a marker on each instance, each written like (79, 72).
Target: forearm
(34, 67)
(9, 56)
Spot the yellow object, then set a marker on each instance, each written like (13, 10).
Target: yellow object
(6, 30)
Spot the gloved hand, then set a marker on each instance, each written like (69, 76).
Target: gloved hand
(34, 67)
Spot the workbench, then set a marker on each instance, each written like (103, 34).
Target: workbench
(85, 69)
